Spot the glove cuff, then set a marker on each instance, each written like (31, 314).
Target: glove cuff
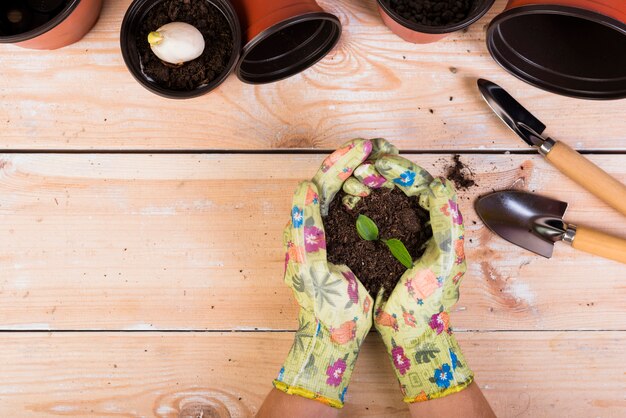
(318, 366)
(428, 366)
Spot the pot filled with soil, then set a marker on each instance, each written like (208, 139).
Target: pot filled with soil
(46, 24)
(424, 21)
(283, 37)
(571, 47)
(180, 48)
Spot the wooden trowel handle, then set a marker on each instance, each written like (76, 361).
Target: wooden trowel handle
(588, 175)
(600, 244)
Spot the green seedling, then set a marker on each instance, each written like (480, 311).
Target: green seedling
(368, 230)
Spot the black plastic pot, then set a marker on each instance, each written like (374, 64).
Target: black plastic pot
(574, 51)
(137, 12)
(46, 24)
(288, 48)
(283, 37)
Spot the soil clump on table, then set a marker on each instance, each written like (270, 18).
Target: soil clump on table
(460, 174)
(432, 12)
(397, 216)
(204, 69)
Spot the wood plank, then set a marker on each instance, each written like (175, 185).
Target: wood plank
(373, 84)
(523, 374)
(194, 242)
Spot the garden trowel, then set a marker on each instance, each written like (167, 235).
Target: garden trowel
(560, 155)
(535, 223)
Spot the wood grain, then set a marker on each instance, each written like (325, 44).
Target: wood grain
(373, 84)
(523, 374)
(599, 243)
(589, 176)
(154, 242)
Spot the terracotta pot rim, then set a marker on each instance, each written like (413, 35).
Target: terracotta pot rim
(437, 30)
(301, 66)
(538, 9)
(133, 13)
(40, 30)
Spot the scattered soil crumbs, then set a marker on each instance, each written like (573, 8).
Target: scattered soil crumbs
(460, 174)
(432, 12)
(397, 216)
(204, 69)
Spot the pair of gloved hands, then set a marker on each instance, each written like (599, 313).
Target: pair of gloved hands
(336, 312)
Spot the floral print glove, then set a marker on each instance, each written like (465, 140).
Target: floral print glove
(335, 309)
(337, 168)
(414, 321)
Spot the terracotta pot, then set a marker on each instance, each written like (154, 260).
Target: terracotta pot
(571, 47)
(68, 26)
(422, 34)
(283, 37)
(135, 15)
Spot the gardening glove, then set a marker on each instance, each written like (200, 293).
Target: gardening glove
(341, 164)
(414, 322)
(366, 177)
(335, 309)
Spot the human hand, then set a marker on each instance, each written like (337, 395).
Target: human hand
(414, 321)
(335, 309)
(337, 169)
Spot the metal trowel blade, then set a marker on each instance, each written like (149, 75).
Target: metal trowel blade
(528, 220)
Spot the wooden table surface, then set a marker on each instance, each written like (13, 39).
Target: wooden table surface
(140, 238)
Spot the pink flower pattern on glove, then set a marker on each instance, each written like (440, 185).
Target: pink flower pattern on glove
(335, 372)
(457, 218)
(400, 360)
(374, 181)
(314, 239)
(353, 286)
(440, 322)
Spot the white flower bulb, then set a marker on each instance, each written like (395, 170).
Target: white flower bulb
(176, 42)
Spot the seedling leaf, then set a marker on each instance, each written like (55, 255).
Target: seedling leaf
(399, 251)
(366, 228)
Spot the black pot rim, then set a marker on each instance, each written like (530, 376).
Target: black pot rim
(437, 30)
(46, 27)
(301, 65)
(524, 75)
(134, 9)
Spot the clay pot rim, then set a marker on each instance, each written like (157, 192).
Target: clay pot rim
(262, 36)
(571, 11)
(437, 30)
(132, 13)
(46, 27)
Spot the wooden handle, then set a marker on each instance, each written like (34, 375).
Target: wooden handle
(588, 175)
(599, 243)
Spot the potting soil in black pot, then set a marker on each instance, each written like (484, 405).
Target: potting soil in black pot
(204, 69)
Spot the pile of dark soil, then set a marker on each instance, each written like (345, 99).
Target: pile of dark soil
(397, 216)
(460, 174)
(432, 12)
(204, 69)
